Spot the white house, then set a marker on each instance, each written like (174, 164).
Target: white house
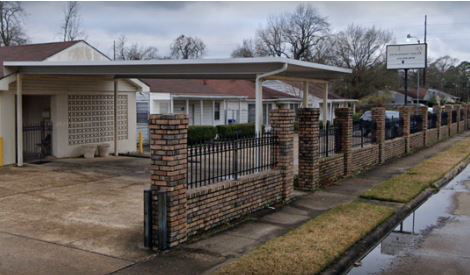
(315, 97)
(211, 102)
(61, 114)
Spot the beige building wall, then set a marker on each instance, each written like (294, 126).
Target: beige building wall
(59, 88)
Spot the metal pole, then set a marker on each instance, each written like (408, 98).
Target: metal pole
(425, 49)
(417, 89)
(19, 120)
(406, 87)
(115, 98)
(325, 105)
(258, 105)
(306, 92)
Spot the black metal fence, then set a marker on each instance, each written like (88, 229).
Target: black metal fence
(228, 159)
(363, 133)
(432, 121)
(454, 116)
(444, 118)
(416, 123)
(37, 141)
(330, 140)
(393, 128)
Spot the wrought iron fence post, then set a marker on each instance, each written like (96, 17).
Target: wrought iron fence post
(235, 159)
(362, 136)
(327, 135)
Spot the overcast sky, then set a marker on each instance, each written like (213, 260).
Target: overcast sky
(223, 25)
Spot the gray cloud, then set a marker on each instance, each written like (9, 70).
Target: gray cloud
(223, 25)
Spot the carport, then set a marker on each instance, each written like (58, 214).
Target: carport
(98, 190)
(257, 69)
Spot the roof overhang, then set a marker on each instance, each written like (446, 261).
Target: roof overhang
(201, 97)
(229, 68)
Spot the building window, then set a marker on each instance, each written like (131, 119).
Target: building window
(216, 110)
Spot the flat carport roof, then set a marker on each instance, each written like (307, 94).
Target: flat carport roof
(257, 69)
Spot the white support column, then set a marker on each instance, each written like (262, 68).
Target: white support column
(259, 106)
(187, 111)
(213, 113)
(19, 120)
(115, 117)
(225, 112)
(202, 111)
(325, 105)
(239, 115)
(171, 105)
(306, 92)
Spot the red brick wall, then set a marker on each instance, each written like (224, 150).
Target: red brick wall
(364, 158)
(219, 203)
(444, 132)
(432, 136)
(331, 168)
(416, 141)
(394, 148)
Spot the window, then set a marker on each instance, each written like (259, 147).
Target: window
(216, 110)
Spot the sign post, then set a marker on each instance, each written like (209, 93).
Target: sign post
(406, 56)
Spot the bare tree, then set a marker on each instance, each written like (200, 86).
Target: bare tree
(294, 35)
(186, 47)
(246, 49)
(134, 51)
(11, 27)
(71, 29)
(362, 49)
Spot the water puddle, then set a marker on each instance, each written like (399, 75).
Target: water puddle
(407, 236)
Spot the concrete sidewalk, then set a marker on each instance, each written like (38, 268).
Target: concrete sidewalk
(205, 255)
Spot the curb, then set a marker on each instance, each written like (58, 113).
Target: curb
(373, 238)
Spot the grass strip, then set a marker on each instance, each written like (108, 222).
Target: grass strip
(314, 245)
(407, 186)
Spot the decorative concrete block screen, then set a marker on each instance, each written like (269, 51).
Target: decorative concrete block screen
(91, 118)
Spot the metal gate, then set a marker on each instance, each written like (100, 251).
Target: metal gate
(37, 141)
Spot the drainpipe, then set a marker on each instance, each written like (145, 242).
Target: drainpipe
(259, 95)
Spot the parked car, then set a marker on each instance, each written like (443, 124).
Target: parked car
(367, 123)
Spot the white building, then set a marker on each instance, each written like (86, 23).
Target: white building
(62, 114)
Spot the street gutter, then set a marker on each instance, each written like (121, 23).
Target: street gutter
(369, 242)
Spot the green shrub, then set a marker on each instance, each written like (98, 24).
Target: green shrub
(236, 131)
(198, 134)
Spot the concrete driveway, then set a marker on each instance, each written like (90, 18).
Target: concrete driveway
(72, 216)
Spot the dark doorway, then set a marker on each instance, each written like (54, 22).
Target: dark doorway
(37, 128)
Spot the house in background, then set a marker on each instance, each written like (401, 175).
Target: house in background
(316, 93)
(208, 102)
(62, 114)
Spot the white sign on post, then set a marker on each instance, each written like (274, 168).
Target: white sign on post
(408, 56)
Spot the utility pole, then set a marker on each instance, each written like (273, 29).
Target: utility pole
(114, 49)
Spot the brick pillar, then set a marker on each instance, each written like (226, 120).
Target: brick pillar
(448, 109)
(309, 148)
(345, 124)
(405, 113)
(378, 115)
(438, 112)
(169, 134)
(465, 117)
(423, 111)
(282, 123)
